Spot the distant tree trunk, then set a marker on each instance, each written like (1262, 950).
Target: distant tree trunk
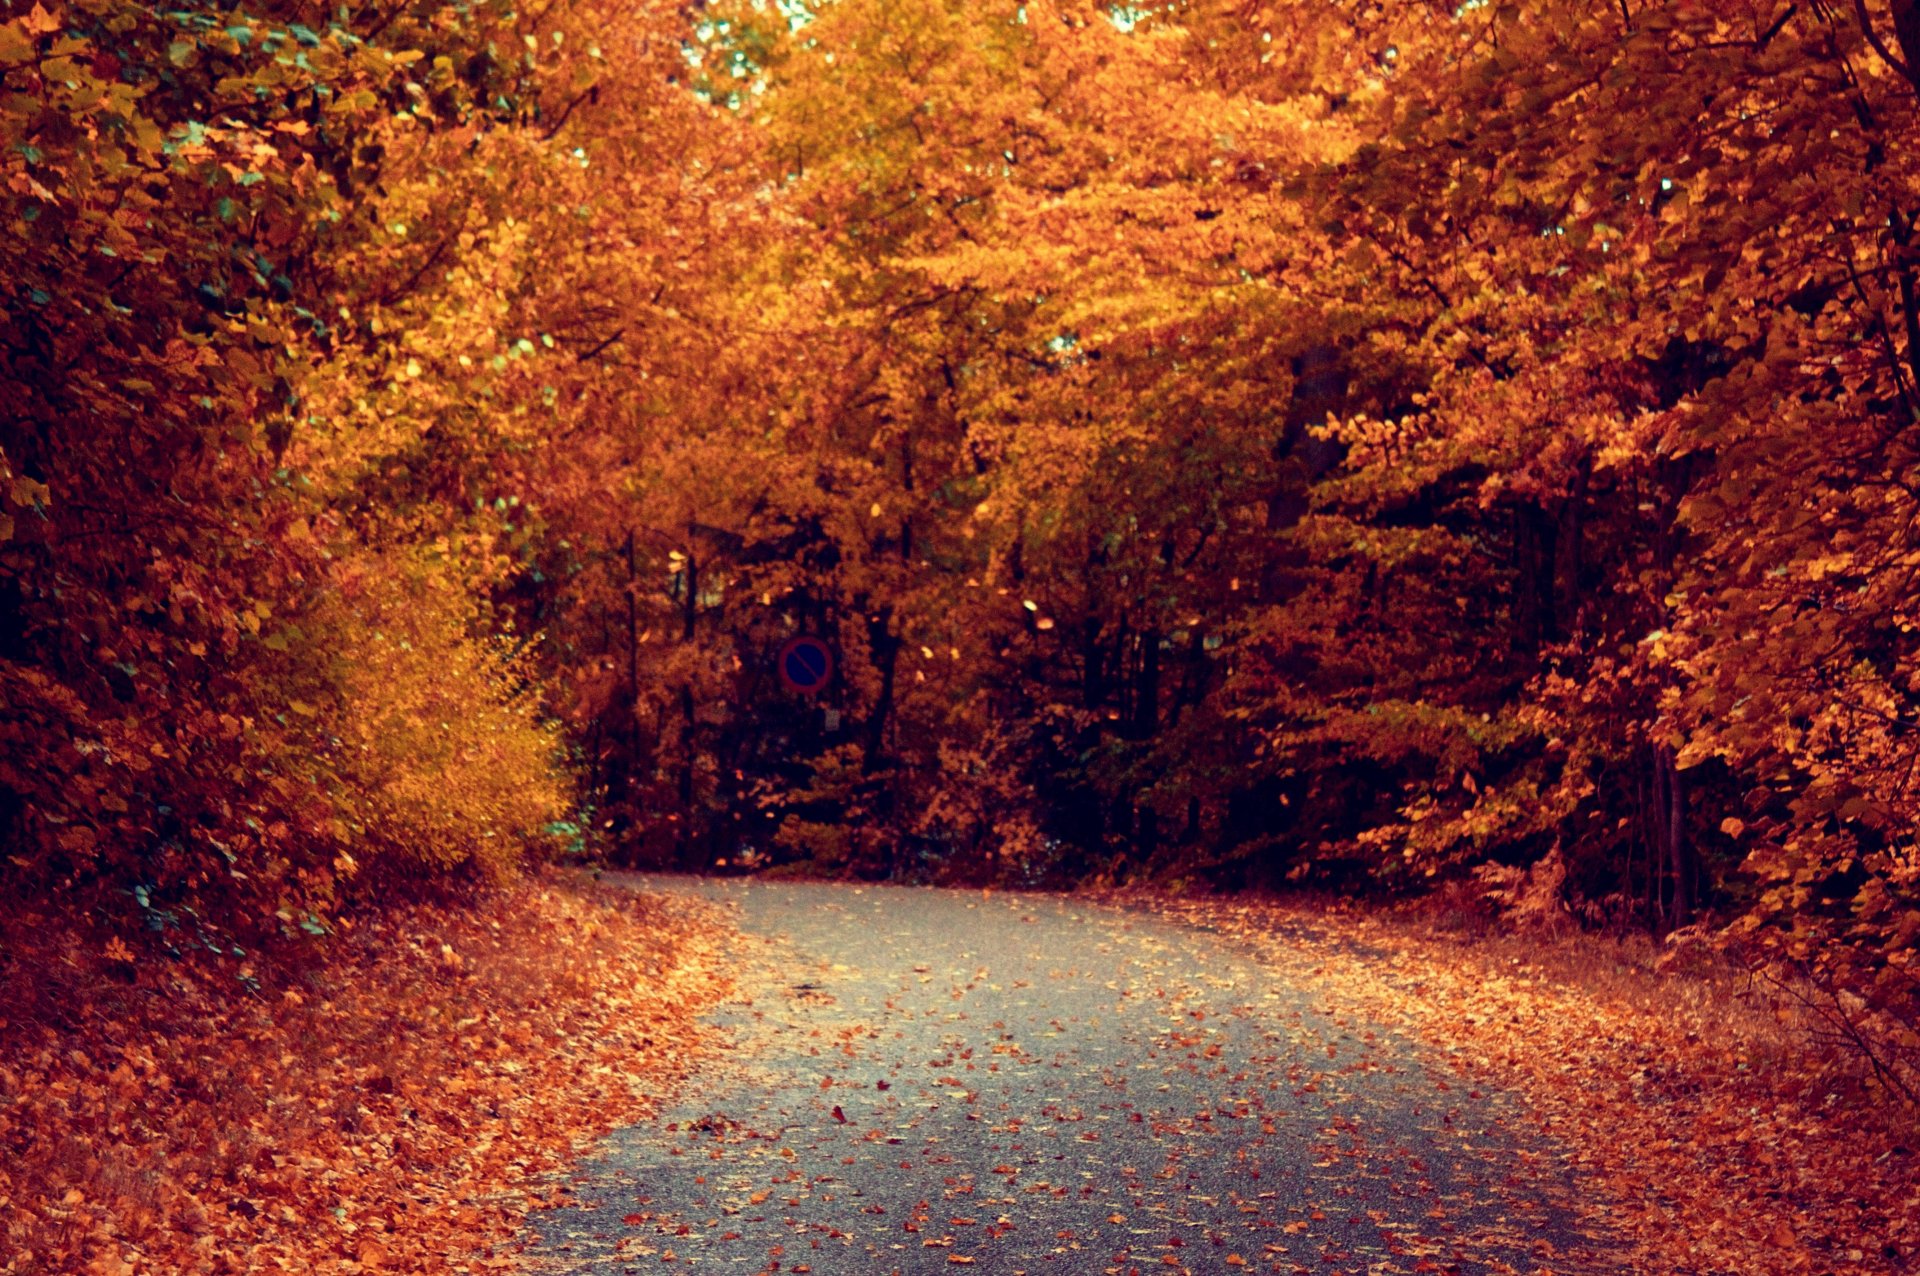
(1093, 682)
(1570, 541)
(633, 661)
(885, 646)
(600, 791)
(724, 831)
(1906, 25)
(690, 603)
(1319, 391)
(686, 838)
(1193, 679)
(1536, 536)
(1677, 855)
(1146, 704)
(1146, 834)
(1679, 846)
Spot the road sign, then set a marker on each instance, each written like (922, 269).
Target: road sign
(806, 665)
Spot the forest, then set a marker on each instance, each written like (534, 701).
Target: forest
(1382, 449)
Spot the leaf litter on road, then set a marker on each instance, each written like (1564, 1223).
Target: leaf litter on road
(1092, 1091)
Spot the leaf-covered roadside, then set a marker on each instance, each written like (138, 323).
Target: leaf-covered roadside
(389, 1111)
(1703, 1138)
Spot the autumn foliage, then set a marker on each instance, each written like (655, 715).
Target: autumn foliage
(1391, 446)
(236, 676)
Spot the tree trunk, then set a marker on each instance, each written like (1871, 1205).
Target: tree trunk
(690, 601)
(1093, 682)
(885, 646)
(1566, 570)
(687, 838)
(1677, 856)
(1192, 691)
(1679, 846)
(1906, 25)
(684, 838)
(1146, 834)
(633, 660)
(1146, 704)
(1536, 535)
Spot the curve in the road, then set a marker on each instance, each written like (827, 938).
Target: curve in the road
(925, 1081)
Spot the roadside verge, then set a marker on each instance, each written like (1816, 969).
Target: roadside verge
(392, 1109)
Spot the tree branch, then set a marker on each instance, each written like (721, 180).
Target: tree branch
(601, 348)
(1887, 55)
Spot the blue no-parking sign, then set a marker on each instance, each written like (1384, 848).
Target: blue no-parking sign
(806, 665)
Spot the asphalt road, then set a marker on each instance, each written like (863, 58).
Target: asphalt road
(920, 1081)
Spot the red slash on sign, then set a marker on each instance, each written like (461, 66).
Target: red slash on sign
(805, 665)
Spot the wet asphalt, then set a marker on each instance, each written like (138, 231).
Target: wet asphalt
(923, 1081)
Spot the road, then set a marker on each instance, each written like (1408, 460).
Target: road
(924, 1081)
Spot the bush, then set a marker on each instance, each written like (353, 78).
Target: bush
(435, 752)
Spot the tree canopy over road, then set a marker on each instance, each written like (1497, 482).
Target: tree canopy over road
(1381, 447)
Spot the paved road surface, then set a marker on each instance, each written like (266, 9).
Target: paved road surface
(923, 1081)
